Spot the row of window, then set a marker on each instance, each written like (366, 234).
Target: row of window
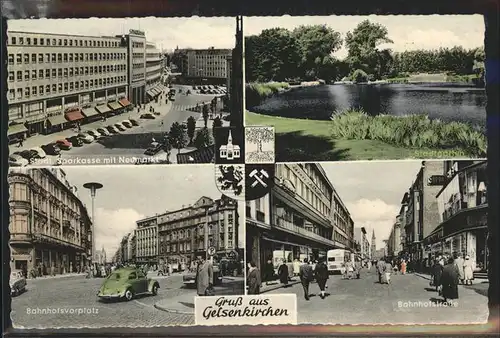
(66, 87)
(76, 42)
(33, 58)
(64, 72)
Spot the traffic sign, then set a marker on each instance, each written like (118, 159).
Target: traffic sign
(211, 250)
(233, 254)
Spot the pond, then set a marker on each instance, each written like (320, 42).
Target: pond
(447, 102)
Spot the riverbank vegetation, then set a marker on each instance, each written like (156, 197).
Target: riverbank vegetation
(356, 136)
(254, 92)
(307, 53)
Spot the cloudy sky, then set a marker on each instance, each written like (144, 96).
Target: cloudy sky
(166, 33)
(372, 191)
(130, 193)
(408, 32)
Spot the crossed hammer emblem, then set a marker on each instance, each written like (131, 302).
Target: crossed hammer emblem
(259, 175)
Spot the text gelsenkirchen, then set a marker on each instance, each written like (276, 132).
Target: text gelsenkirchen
(246, 310)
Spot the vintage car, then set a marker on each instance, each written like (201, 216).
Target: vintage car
(95, 134)
(153, 149)
(29, 155)
(86, 138)
(127, 123)
(148, 116)
(120, 127)
(189, 276)
(51, 149)
(134, 122)
(103, 131)
(64, 144)
(39, 153)
(75, 141)
(17, 282)
(16, 160)
(112, 129)
(127, 283)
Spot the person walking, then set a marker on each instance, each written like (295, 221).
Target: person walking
(283, 273)
(322, 276)
(449, 281)
(253, 279)
(204, 276)
(468, 271)
(269, 271)
(387, 272)
(21, 141)
(296, 267)
(459, 264)
(403, 267)
(306, 276)
(436, 274)
(380, 269)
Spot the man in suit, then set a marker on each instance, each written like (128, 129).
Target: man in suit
(204, 276)
(306, 277)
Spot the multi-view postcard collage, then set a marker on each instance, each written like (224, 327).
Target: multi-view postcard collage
(334, 166)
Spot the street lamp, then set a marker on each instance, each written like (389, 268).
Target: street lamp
(93, 187)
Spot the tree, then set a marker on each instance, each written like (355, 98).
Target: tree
(167, 147)
(217, 123)
(191, 126)
(178, 136)
(205, 112)
(203, 138)
(359, 76)
(259, 136)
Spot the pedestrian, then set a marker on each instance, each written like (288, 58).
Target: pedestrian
(296, 267)
(24, 270)
(253, 279)
(357, 268)
(437, 273)
(468, 272)
(179, 267)
(403, 267)
(21, 141)
(204, 277)
(283, 273)
(459, 264)
(306, 276)
(52, 270)
(380, 269)
(322, 276)
(269, 271)
(387, 272)
(449, 281)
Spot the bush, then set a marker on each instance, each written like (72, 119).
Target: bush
(256, 92)
(359, 76)
(411, 131)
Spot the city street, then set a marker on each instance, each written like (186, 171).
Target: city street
(129, 145)
(365, 301)
(80, 293)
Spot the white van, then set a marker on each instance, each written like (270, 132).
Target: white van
(336, 260)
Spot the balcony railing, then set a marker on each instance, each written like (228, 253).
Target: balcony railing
(284, 224)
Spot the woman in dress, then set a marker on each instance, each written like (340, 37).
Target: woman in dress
(283, 273)
(253, 279)
(449, 281)
(403, 267)
(321, 274)
(437, 272)
(387, 272)
(269, 271)
(468, 272)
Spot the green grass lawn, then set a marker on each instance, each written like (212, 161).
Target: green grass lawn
(310, 140)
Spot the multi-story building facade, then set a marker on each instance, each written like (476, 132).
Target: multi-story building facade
(364, 245)
(49, 225)
(207, 65)
(154, 71)
(57, 80)
(136, 59)
(394, 245)
(302, 217)
(131, 247)
(373, 245)
(422, 214)
(146, 237)
(463, 211)
(101, 256)
(187, 233)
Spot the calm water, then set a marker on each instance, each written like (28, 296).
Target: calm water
(446, 102)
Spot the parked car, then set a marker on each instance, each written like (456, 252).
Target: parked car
(148, 116)
(112, 129)
(16, 160)
(127, 283)
(51, 149)
(134, 122)
(64, 144)
(28, 155)
(127, 123)
(103, 131)
(86, 138)
(75, 141)
(120, 127)
(39, 153)
(189, 277)
(17, 283)
(153, 149)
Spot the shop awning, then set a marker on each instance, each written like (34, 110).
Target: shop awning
(90, 112)
(124, 102)
(150, 93)
(16, 129)
(157, 90)
(103, 109)
(57, 120)
(74, 115)
(115, 105)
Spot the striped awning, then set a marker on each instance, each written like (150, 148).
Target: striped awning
(102, 108)
(57, 120)
(115, 105)
(16, 129)
(74, 115)
(90, 112)
(150, 93)
(124, 102)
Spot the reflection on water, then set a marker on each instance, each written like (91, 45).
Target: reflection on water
(446, 102)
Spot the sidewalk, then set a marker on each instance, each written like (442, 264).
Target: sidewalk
(276, 284)
(67, 275)
(474, 281)
(39, 140)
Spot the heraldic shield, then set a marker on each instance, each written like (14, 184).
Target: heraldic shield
(230, 180)
(259, 180)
